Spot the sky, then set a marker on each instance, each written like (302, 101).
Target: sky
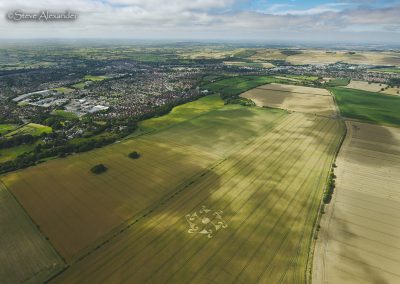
(359, 21)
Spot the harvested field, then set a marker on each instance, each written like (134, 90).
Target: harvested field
(248, 218)
(365, 86)
(293, 98)
(395, 91)
(374, 87)
(359, 241)
(77, 209)
(358, 57)
(25, 254)
(295, 89)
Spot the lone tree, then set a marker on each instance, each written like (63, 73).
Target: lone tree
(98, 169)
(134, 155)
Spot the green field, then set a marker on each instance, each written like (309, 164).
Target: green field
(64, 90)
(251, 163)
(236, 85)
(30, 128)
(6, 128)
(8, 154)
(337, 82)
(387, 70)
(368, 106)
(64, 114)
(79, 86)
(302, 77)
(95, 78)
(28, 257)
(182, 113)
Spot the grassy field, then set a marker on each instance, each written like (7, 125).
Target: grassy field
(337, 82)
(94, 78)
(26, 256)
(30, 128)
(386, 70)
(79, 86)
(64, 90)
(8, 154)
(368, 106)
(301, 77)
(6, 128)
(182, 113)
(359, 237)
(237, 85)
(293, 98)
(265, 195)
(64, 114)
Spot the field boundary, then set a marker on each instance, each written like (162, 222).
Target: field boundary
(321, 207)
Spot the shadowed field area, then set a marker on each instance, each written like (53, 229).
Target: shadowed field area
(77, 210)
(248, 218)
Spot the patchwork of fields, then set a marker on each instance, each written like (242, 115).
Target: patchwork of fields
(77, 209)
(266, 195)
(293, 98)
(359, 240)
(26, 256)
(258, 174)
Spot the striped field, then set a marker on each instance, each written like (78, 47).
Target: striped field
(248, 217)
(25, 255)
(78, 210)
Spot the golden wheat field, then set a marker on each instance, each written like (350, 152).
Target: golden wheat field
(248, 217)
(26, 255)
(78, 210)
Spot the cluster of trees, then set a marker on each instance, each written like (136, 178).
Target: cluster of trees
(98, 169)
(239, 101)
(330, 187)
(18, 140)
(60, 149)
(134, 155)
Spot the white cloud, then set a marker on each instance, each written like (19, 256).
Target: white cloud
(199, 19)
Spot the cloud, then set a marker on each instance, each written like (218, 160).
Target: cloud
(204, 18)
(286, 9)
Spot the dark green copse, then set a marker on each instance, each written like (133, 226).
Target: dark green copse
(98, 169)
(134, 155)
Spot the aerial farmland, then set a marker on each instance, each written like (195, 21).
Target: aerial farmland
(191, 163)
